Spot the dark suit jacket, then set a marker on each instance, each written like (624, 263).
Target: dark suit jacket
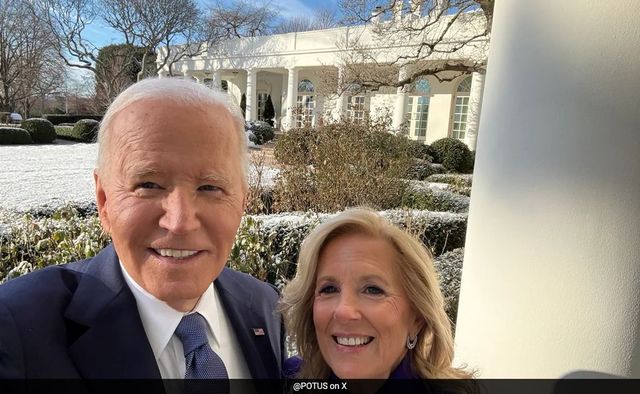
(80, 320)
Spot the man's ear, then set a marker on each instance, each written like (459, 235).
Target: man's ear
(101, 201)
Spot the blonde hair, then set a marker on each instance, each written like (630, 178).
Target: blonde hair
(433, 355)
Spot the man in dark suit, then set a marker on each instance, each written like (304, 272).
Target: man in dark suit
(158, 302)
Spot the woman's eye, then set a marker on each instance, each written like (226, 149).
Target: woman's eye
(373, 290)
(328, 289)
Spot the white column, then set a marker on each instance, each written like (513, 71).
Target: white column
(475, 107)
(216, 82)
(162, 74)
(342, 99)
(251, 110)
(292, 94)
(401, 101)
(188, 75)
(551, 277)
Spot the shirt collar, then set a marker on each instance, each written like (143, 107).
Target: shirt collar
(160, 320)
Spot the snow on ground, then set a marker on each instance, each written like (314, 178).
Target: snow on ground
(35, 176)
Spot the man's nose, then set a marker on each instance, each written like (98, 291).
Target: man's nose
(347, 309)
(180, 213)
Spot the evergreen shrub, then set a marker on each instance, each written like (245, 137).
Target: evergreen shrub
(14, 136)
(86, 130)
(41, 130)
(453, 154)
(57, 119)
(262, 132)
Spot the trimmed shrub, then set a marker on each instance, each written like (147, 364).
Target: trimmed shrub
(422, 169)
(62, 236)
(420, 197)
(41, 130)
(4, 117)
(14, 136)
(459, 183)
(420, 150)
(86, 130)
(57, 119)
(262, 132)
(449, 269)
(453, 154)
(65, 132)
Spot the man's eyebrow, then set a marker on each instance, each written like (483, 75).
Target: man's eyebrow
(214, 178)
(141, 172)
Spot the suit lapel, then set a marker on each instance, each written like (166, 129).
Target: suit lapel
(244, 319)
(106, 336)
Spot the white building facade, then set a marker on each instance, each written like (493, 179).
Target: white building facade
(292, 69)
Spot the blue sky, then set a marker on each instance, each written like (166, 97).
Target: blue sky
(102, 35)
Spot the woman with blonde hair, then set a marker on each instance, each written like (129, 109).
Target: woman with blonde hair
(365, 304)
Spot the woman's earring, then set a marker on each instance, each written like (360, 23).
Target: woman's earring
(411, 342)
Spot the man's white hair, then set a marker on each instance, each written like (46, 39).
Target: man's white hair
(179, 91)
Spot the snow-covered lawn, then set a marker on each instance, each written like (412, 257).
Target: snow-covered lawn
(33, 176)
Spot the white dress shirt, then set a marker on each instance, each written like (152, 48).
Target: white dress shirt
(160, 321)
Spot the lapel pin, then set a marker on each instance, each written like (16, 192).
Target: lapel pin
(258, 331)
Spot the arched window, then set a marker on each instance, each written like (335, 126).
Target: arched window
(305, 104)
(418, 109)
(461, 109)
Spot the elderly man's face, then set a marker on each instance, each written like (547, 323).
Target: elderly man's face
(171, 195)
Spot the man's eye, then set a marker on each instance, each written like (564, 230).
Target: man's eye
(328, 289)
(147, 185)
(209, 188)
(373, 290)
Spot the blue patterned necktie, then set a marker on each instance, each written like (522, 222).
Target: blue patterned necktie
(201, 361)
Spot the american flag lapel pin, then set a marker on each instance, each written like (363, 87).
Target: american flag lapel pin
(258, 331)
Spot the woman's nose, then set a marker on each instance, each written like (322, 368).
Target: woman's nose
(346, 309)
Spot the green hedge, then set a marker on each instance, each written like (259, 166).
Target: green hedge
(14, 136)
(422, 197)
(453, 154)
(266, 246)
(85, 130)
(41, 130)
(56, 119)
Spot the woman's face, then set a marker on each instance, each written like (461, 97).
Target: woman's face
(361, 313)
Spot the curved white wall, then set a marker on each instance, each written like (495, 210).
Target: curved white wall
(551, 278)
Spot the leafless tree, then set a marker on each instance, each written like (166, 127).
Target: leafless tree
(150, 24)
(322, 18)
(456, 32)
(28, 65)
(241, 18)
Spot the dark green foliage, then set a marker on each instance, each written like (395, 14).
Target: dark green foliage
(57, 119)
(243, 104)
(41, 130)
(420, 151)
(453, 154)
(338, 165)
(269, 111)
(4, 117)
(14, 136)
(262, 132)
(86, 130)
